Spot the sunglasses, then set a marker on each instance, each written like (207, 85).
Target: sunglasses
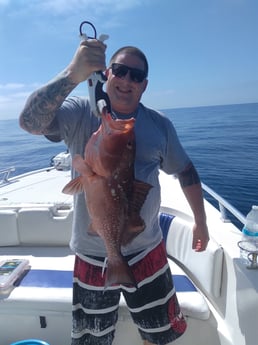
(119, 70)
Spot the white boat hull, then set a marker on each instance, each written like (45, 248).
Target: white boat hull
(35, 224)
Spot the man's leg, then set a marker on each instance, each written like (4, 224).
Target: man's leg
(153, 305)
(94, 311)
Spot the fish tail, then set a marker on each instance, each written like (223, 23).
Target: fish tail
(119, 272)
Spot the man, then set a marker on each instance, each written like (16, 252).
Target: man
(48, 111)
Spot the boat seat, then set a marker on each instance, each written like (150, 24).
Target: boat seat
(191, 301)
(43, 290)
(8, 228)
(204, 268)
(43, 297)
(42, 301)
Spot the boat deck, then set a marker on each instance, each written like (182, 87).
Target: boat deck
(34, 189)
(35, 224)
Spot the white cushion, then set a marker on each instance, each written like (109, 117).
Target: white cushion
(39, 226)
(203, 267)
(8, 228)
(192, 302)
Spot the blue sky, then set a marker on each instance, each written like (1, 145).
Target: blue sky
(201, 52)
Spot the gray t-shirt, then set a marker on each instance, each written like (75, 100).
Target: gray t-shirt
(157, 147)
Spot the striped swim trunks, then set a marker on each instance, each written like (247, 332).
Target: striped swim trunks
(153, 304)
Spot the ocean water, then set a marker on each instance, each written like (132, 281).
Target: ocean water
(222, 141)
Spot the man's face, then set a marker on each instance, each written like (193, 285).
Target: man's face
(124, 93)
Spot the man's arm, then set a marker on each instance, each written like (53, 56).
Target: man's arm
(40, 108)
(191, 186)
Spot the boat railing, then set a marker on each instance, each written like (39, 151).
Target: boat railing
(224, 206)
(6, 179)
(5, 173)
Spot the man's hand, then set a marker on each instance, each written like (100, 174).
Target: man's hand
(89, 58)
(200, 237)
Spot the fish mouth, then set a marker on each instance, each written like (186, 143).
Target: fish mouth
(123, 126)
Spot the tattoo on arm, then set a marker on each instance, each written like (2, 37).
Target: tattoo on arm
(189, 176)
(42, 105)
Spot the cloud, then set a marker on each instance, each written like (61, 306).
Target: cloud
(64, 7)
(13, 97)
(11, 86)
(97, 6)
(103, 13)
(4, 3)
(11, 91)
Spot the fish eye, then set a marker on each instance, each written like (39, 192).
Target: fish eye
(129, 145)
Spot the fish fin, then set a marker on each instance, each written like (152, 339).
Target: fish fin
(119, 272)
(139, 195)
(73, 187)
(136, 224)
(80, 165)
(91, 231)
(135, 227)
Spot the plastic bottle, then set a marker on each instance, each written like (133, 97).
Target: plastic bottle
(250, 230)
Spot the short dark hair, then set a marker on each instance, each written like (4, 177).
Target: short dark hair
(133, 51)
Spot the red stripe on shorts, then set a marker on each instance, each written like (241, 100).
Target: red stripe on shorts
(88, 273)
(150, 264)
(93, 275)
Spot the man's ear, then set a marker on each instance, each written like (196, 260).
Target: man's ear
(144, 86)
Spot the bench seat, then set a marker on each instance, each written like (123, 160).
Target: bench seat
(42, 301)
(47, 286)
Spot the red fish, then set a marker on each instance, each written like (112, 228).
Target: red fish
(113, 197)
